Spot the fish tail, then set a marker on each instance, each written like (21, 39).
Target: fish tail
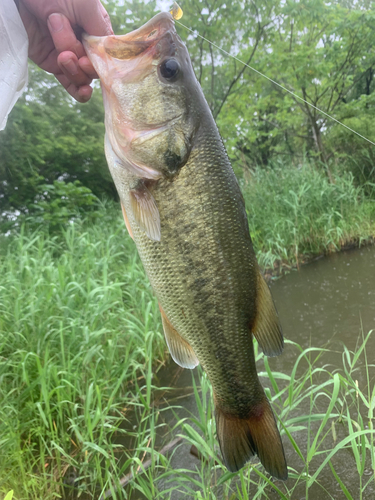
(241, 438)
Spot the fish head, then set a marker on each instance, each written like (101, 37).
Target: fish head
(150, 95)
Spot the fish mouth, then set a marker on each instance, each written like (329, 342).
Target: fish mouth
(136, 52)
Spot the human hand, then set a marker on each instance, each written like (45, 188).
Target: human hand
(53, 27)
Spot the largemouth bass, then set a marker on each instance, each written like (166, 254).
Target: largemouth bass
(184, 209)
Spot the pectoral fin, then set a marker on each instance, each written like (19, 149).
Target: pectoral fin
(145, 211)
(180, 350)
(267, 328)
(127, 222)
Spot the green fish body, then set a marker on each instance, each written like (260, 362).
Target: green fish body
(184, 209)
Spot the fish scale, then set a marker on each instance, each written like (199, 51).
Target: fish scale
(187, 217)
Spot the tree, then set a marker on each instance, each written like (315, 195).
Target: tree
(322, 52)
(50, 137)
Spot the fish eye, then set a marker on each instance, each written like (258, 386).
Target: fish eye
(170, 69)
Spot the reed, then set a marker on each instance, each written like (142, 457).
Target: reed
(80, 334)
(297, 213)
(326, 421)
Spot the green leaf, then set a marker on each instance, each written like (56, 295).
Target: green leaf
(338, 447)
(342, 485)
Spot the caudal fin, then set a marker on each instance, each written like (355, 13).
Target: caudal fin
(240, 439)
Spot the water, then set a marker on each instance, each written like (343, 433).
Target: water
(330, 299)
(327, 303)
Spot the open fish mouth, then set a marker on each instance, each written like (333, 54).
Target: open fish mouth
(134, 43)
(133, 55)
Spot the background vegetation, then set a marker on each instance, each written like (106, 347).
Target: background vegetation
(81, 345)
(322, 51)
(80, 332)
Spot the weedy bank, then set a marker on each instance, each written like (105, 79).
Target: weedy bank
(296, 214)
(79, 334)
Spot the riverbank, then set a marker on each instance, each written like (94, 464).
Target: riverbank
(280, 267)
(297, 215)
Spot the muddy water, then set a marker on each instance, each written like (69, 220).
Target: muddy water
(330, 299)
(327, 303)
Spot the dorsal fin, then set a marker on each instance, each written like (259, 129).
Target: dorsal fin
(266, 328)
(180, 350)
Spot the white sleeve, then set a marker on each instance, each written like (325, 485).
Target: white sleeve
(13, 58)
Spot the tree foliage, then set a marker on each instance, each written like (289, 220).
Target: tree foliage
(48, 138)
(323, 53)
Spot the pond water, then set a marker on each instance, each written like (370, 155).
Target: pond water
(327, 303)
(331, 299)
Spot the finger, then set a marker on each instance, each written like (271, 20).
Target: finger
(63, 35)
(89, 14)
(69, 65)
(93, 17)
(84, 93)
(41, 47)
(86, 66)
(80, 94)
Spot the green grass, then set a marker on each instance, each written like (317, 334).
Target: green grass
(296, 213)
(326, 419)
(80, 332)
(81, 337)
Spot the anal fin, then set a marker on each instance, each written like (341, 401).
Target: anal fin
(266, 328)
(180, 350)
(145, 211)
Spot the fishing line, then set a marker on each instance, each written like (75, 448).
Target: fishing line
(276, 83)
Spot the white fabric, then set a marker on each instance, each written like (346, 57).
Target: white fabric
(13, 58)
